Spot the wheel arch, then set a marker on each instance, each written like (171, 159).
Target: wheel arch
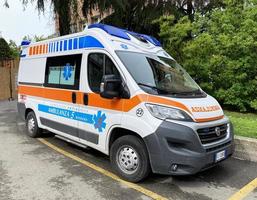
(27, 111)
(118, 132)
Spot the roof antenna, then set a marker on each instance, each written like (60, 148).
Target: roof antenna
(85, 26)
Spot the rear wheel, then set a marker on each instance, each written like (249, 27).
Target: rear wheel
(130, 158)
(32, 126)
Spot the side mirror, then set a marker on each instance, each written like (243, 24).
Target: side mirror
(110, 86)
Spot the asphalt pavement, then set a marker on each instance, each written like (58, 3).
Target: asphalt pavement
(52, 169)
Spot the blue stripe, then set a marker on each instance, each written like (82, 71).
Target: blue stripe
(81, 42)
(89, 42)
(65, 45)
(70, 44)
(78, 43)
(78, 116)
(57, 46)
(97, 120)
(61, 45)
(92, 42)
(75, 43)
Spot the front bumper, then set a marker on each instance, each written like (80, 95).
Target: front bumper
(177, 144)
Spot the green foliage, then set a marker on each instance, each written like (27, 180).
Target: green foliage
(5, 52)
(14, 49)
(219, 49)
(35, 38)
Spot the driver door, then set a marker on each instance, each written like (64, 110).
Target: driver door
(100, 114)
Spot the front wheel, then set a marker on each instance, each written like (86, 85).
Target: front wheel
(129, 157)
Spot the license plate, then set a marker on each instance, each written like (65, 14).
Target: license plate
(220, 155)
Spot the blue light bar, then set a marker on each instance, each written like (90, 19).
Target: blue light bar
(123, 33)
(111, 30)
(25, 43)
(152, 39)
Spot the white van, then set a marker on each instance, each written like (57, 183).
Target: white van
(119, 92)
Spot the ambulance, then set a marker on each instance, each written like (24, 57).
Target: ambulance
(122, 94)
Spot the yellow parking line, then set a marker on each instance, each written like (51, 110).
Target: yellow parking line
(243, 192)
(134, 186)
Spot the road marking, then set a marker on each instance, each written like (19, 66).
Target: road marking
(134, 186)
(243, 192)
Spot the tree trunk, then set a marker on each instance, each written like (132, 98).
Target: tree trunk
(62, 9)
(190, 10)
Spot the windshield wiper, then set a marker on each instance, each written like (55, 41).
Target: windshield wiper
(195, 92)
(154, 87)
(175, 93)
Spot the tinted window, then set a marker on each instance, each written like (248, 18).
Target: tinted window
(95, 71)
(110, 67)
(98, 65)
(63, 72)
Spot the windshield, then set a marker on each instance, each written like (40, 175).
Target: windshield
(159, 75)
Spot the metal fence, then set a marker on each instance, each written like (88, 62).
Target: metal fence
(8, 79)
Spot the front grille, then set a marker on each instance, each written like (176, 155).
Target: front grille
(218, 147)
(209, 134)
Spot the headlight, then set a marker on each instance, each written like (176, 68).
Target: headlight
(162, 112)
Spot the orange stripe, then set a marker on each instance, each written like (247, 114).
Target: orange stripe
(45, 48)
(95, 100)
(209, 119)
(169, 102)
(30, 51)
(40, 49)
(54, 94)
(34, 50)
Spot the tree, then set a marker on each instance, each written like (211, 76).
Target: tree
(35, 38)
(134, 15)
(5, 52)
(190, 7)
(14, 49)
(137, 15)
(219, 50)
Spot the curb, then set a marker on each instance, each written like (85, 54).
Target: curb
(245, 148)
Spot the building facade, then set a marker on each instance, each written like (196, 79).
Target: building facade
(79, 22)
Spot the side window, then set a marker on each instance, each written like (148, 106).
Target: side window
(110, 67)
(95, 71)
(99, 64)
(63, 72)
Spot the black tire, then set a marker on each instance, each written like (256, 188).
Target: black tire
(138, 148)
(34, 131)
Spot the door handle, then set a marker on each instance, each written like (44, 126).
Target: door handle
(85, 99)
(74, 97)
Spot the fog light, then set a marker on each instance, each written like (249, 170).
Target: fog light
(174, 167)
